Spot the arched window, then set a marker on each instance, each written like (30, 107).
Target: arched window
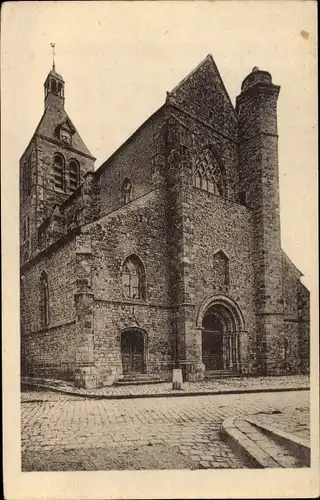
(53, 86)
(208, 174)
(44, 299)
(74, 175)
(221, 269)
(58, 171)
(127, 191)
(133, 278)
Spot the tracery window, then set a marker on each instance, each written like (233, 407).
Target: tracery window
(127, 191)
(58, 171)
(74, 175)
(208, 174)
(133, 278)
(44, 299)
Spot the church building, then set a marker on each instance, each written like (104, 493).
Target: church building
(169, 254)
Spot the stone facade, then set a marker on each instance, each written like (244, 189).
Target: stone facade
(191, 201)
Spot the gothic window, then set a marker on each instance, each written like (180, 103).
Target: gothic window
(127, 191)
(208, 174)
(133, 278)
(74, 175)
(58, 171)
(221, 269)
(44, 300)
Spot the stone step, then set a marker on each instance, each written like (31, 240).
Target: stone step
(133, 381)
(139, 379)
(210, 374)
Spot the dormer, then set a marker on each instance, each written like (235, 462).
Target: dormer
(65, 131)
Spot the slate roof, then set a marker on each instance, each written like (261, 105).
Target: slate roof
(54, 116)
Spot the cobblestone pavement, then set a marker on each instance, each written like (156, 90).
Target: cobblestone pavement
(217, 385)
(138, 433)
(295, 421)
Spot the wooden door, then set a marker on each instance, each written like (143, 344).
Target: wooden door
(132, 350)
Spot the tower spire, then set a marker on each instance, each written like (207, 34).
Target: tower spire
(53, 55)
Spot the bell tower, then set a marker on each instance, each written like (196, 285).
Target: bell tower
(52, 167)
(54, 89)
(54, 85)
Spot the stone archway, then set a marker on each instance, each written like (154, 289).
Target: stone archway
(133, 351)
(220, 322)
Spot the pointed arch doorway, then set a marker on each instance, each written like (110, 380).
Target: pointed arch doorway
(133, 351)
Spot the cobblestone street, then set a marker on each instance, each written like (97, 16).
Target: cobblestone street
(61, 432)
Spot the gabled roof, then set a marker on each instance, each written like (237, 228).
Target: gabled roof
(209, 67)
(52, 118)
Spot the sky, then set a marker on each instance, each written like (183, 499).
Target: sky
(118, 59)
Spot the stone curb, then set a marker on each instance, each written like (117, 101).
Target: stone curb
(256, 456)
(71, 392)
(296, 444)
(244, 447)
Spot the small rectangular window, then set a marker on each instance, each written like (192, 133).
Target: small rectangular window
(243, 198)
(26, 229)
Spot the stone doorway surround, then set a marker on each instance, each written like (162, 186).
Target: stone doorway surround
(219, 325)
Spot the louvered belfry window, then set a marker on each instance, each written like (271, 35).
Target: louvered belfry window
(58, 171)
(74, 175)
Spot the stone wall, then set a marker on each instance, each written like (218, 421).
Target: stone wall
(295, 358)
(137, 228)
(54, 344)
(221, 225)
(137, 160)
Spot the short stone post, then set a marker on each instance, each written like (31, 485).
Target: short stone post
(177, 382)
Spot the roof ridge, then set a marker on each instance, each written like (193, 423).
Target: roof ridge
(216, 70)
(191, 73)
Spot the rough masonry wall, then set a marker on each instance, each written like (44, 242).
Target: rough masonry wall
(294, 343)
(206, 225)
(137, 160)
(52, 346)
(203, 95)
(138, 228)
(257, 110)
(28, 203)
(220, 225)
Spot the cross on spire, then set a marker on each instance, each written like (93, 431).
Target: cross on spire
(53, 55)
